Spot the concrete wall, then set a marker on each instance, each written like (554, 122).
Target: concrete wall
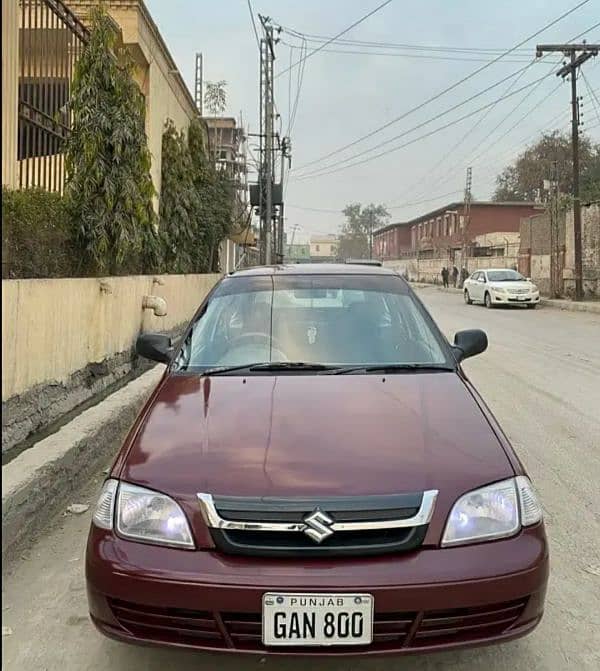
(10, 78)
(428, 270)
(590, 258)
(65, 340)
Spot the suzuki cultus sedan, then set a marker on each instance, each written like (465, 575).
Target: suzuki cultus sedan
(315, 473)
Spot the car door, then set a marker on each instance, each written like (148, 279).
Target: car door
(474, 286)
(483, 284)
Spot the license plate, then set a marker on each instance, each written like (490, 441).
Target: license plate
(520, 298)
(317, 619)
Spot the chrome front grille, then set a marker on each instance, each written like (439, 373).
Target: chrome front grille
(364, 525)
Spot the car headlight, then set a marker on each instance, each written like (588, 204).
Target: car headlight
(141, 514)
(499, 290)
(534, 289)
(494, 511)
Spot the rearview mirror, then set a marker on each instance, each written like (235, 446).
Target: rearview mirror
(469, 343)
(154, 346)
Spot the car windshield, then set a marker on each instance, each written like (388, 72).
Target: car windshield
(332, 320)
(504, 276)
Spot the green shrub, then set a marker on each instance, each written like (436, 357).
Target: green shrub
(109, 190)
(37, 236)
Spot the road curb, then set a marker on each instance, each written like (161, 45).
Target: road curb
(557, 304)
(571, 306)
(36, 484)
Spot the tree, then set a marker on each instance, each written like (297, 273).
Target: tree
(360, 223)
(215, 97)
(215, 197)
(178, 203)
(523, 180)
(109, 190)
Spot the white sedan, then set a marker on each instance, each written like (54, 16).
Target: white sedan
(500, 287)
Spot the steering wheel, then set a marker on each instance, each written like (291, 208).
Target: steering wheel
(246, 338)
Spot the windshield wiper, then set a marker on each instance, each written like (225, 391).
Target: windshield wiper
(269, 366)
(394, 368)
(292, 365)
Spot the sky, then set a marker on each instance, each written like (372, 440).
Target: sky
(345, 96)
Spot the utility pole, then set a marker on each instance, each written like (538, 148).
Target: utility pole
(371, 234)
(585, 51)
(198, 83)
(267, 58)
(467, 216)
(285, 148)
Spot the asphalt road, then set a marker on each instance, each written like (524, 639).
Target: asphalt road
(541, 377)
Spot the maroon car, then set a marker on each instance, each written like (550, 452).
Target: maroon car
(315, 473)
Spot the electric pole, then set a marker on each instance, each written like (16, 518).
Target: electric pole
(285, 154)
(267, 58)
(371, 234)
(198, 84)
(586, 51)
(467, 216)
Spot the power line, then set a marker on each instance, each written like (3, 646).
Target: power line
(343, 32)
(470, 131)
(332, 169)
(311, 37)
(444, 91)
(423, 123)
(403, 55)
(593, 96)
(471, 160)
(254, 24)
(292, 118)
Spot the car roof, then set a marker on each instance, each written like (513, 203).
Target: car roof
(489, 270)
(314, 269)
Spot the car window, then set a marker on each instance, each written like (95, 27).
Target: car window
(505, 276)
(313, 321)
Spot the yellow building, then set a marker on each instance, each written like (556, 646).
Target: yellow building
(42, 40)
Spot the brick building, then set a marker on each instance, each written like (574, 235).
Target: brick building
(443, 230)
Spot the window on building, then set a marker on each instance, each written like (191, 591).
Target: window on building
(48, 96)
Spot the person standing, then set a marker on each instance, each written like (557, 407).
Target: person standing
(454, 276)
(445, 277)
(464, 273)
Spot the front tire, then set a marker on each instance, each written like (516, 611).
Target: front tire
(468, 300)
(487, 299)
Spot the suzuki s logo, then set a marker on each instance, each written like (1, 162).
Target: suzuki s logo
(318, 525)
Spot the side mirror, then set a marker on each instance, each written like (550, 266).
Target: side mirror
(469, 343)
(154, 346)
(528, 279)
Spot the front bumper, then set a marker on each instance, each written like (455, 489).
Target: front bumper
(515, 299)
(427, 600)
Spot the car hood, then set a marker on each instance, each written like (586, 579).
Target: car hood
(511, 286)
(307, 435)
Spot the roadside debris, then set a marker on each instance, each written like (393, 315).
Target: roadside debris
(78, 508)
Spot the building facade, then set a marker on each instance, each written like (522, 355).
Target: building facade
(323, 247)
(42, 42)
(297, 253)
(446, 231)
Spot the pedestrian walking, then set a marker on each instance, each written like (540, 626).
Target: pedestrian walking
(445, 274)
(454, 275)
(464, 273)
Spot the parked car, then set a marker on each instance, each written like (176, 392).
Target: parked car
(500, 286)
(315, 473)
